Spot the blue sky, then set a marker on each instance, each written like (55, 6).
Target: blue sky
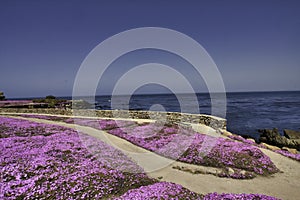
(255, 44)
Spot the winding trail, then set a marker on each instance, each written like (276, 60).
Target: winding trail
(284, 185)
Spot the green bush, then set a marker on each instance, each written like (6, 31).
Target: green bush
(50, 97)
(50, 100)
(2, 97)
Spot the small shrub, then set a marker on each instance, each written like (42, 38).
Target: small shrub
(50, 97)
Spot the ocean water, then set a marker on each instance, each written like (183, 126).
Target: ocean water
(246, 111)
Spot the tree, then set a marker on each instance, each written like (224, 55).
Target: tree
(50, 97)
(2, 97)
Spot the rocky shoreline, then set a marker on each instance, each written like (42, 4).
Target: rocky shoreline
(290, 139)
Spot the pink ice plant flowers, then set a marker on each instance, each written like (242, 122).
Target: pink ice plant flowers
(41, 161)
(186, 145)
(48, 161)
(161, 190)
(165, 190)
(111, 124)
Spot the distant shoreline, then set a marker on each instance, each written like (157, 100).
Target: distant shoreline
(246, 112)
(154, 94)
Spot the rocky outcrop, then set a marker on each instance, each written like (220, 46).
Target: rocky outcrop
(251, 140)
(224, 132)
(293, 151)
(271, 147)
(273, 137)
(79, 104)
(291, 134)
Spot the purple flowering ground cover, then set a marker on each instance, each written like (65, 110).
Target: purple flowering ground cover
(282, 152)
(185, 145)
(224, 153)
(246, 160)
(47, 161)
(161, 190)
(46, 117)
(165, 190)
(42, 161)
(288, 154)
(216, 196)
(103, 125)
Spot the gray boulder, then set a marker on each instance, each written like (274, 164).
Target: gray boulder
(273, 137)
(81, 104)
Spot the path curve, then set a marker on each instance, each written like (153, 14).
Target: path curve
(283, 185)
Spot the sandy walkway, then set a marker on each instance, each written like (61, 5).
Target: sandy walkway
(283, 185)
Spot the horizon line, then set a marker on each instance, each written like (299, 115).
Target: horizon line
(163, 93)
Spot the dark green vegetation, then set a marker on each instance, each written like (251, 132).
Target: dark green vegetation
(2, 97)
(51, 101)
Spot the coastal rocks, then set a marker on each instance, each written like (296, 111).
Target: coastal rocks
(80, 104)
(53, 111)
(293, 151)
(230, 171)
(225, 132)
(273, 137)
(251, 140)
(291, 134)
(270, 147)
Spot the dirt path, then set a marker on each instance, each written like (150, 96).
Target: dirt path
(283, 185)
